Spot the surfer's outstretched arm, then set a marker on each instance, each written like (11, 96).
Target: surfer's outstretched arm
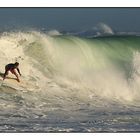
(18, 71)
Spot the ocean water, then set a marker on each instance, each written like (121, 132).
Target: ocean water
(70, 83)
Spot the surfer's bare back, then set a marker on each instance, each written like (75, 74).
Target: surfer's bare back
(12, 67)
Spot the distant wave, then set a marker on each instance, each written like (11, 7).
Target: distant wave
(103, 28)
(100, 29)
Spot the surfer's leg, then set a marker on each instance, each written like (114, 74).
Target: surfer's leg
(14, 72)
(6, 73)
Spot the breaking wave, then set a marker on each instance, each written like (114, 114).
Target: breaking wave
(106, 67)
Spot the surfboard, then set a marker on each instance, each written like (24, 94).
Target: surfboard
(23, 85)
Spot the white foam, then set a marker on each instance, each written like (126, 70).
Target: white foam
(12, 49)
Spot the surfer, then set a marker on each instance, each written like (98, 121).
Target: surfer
(12, 68)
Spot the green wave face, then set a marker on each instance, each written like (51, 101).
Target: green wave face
(106, 66)
(97, 53)
(73, 56)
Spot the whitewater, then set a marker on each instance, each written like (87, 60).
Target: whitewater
(73, 84)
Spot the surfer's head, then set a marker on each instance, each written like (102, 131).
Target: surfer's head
(16, 64)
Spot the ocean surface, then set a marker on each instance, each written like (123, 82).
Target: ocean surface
(70, 82)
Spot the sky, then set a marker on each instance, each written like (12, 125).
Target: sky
(119, 19)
